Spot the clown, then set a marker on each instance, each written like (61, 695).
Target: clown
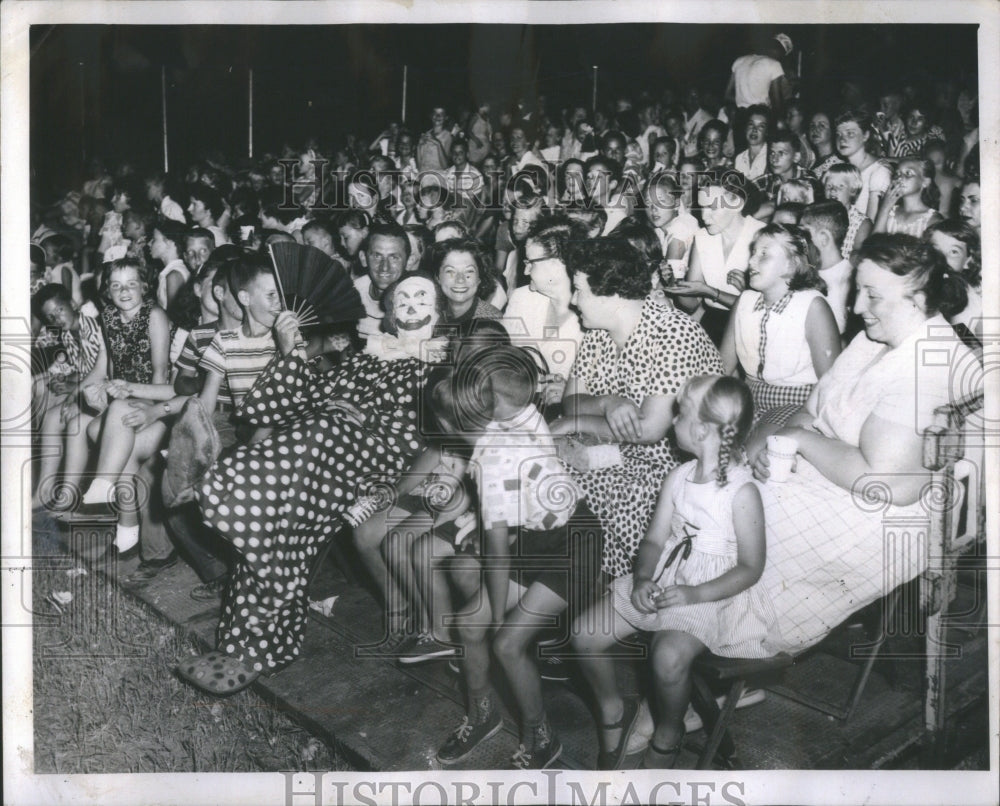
(279, 500)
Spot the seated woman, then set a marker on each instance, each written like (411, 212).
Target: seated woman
(859, 441)
(539, 313)
(781, 333)
(280, 499)
(720, 254)
(466, 279)
(634, 358)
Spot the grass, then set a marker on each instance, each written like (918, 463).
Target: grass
(107, 701)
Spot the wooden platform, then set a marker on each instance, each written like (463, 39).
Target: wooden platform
(386, 717)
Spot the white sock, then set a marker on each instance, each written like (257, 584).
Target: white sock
(126, 536)
(101, 491)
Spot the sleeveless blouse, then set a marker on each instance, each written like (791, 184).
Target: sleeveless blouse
(129, 347)
(715, 265)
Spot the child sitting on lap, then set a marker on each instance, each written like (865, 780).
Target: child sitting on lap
(528, 505)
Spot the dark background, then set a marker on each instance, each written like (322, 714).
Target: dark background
(95, 89)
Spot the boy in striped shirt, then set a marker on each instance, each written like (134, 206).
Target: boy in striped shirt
(239, 356)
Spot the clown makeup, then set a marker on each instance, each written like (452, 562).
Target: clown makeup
(414, 304)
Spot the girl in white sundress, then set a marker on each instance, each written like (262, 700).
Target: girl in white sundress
(695, 577)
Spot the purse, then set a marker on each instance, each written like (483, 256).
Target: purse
(194, 447)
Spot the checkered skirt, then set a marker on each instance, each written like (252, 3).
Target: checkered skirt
(776, 403)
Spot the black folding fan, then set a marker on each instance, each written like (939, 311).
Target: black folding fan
(318, 290)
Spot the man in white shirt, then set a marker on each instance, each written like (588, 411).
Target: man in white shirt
(384, 254)
(463, 179)
(759, 79)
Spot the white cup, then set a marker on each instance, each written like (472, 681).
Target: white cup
(678, 267)
(781, 456)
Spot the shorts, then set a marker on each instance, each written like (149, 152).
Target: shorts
(566, 559)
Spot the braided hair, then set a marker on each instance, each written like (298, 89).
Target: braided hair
(727, 403)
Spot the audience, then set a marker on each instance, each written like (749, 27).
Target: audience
(545, 298)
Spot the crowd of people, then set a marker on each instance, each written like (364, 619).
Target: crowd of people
(579, 332)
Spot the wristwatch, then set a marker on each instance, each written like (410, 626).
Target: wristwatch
(166, 407)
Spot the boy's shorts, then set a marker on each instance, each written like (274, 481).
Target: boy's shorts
(566, 559)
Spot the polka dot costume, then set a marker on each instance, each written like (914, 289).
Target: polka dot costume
(277, 501)
(666, 348)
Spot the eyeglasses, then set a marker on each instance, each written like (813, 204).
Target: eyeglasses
(531, 261)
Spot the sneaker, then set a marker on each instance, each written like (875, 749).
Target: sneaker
(540, 757)
(553, 668)
(467, 737)
(209, 591)
(751, 696)
(148, 570)
(423, 647)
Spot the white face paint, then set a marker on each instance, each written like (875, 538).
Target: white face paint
(414, 304)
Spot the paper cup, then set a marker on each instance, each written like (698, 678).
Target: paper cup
(678, 268)
(781, 457)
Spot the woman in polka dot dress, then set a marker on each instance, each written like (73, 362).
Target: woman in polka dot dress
(635, 356)
(278, 500)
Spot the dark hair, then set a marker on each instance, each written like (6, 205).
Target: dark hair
(199, 233)
(479, 378)
(561, 175)
(176, 234)
(830, 216)
(64, 248)
(388, 321)
(795, 208)
(960, 231)
(555, 232)
(36, 255)
(353, 218)
(784, 136)
(798, 246)
(272, 205)
(209, 197)
(922, 266)
(387, 229)
(48, 292)
(436, 253)
(730, 180)
(713, 125)
(245, 270)
(531, 180)
(637, 230)
(763, 111)
(612, 266)
(491, 331)
(612, 166)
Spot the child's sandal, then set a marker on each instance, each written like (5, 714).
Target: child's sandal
(659, 758)
(612, 759)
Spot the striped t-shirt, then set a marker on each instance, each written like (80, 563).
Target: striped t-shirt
(239, 359)
(195, 345)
